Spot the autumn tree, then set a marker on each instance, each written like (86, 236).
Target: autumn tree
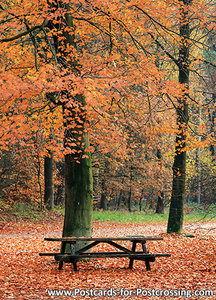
(175, 221)
(93, 67)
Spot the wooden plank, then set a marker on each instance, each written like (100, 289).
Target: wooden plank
(88, 247)
(48, 254)
(104, 239)
(72, 257)
(118, 246)
(51, 253)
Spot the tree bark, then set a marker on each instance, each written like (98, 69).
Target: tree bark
(160, 203)
(78, 196)
(103, 200)
(78, 179)
(48, 179)
(175, 220)
(212, 118)
(130, 190)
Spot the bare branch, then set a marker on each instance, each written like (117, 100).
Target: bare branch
(13, 38)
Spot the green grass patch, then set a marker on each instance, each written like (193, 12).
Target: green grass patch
(149, 217)
(27, 212)
(126, 217)
(32, 212)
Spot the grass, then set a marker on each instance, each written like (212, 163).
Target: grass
(135, 217)
(23, 211)
(125, 217)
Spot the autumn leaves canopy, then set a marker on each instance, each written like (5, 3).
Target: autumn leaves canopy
(114, 72)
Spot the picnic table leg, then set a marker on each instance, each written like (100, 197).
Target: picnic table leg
(62, 252)
(75, 265)
(74, 261)
(148, 268)
(132, 259)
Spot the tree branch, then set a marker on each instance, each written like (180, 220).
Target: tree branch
(13, 38)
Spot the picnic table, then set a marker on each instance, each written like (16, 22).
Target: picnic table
(75, 255)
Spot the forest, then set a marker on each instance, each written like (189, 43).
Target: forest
(108, 103)
(107, 128)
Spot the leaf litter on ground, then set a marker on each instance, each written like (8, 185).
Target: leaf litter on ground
(26, 275)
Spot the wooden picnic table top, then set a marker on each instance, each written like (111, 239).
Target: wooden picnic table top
(105, 239)
(132, 254)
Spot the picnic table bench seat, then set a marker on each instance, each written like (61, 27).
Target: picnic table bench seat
(74, 256)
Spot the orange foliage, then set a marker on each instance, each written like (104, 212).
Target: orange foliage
(129, 82)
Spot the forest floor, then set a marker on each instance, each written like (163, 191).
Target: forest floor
(25, 275)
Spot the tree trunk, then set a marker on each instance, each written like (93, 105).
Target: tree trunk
(130, 190)
(78, 178)
(175, 221)
(212, 118)
(198, 166)
(140, 203)
(60, 187)
(160, 203)
(129, 200)
(78, 197)
(119, 199)
(78, 168)
(103, 201)
(103, 198)
(48, 178)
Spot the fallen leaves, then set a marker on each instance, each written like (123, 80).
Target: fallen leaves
(25, 275)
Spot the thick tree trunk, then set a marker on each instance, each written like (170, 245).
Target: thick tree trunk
(48, 179)
(78, 178)
(175, 221)
(78, 168)
(78, 197)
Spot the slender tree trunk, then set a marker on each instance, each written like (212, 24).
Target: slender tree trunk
(48, 178)
(140, 200)
(160, 203)
(198, 166)
(130, 190)
(103, 200)
(119, 199)
(129, 200)
(212, 119)
(175, 221)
